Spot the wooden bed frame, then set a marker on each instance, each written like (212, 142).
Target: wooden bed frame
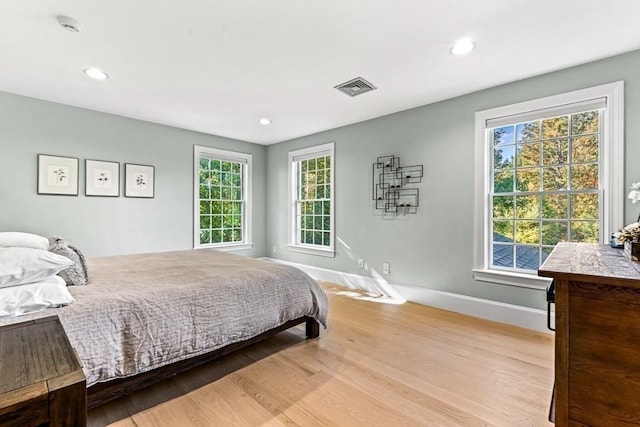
(101, 393)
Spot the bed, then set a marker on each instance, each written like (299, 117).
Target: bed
(145, 317)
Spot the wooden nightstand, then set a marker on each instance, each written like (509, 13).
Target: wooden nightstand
(41, 378)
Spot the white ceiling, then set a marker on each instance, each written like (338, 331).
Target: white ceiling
(219, 66)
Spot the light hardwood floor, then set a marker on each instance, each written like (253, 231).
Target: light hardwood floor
(376, 365)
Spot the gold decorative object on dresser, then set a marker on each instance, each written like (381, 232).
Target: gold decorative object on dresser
(41, 378)
(597, 350)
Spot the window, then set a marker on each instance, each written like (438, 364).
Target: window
(221, 195)
(548, 171)
(311, 219)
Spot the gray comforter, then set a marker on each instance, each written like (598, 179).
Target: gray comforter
(140, 312)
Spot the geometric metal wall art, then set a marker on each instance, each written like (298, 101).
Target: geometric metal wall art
(393, 191)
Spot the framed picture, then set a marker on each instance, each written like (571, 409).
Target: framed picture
(57, 175)
(139, 180)
(102, 178)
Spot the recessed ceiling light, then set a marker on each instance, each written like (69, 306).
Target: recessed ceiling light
(96, 73)
(264, 121)
(463, 46)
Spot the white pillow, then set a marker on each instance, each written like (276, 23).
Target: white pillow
(23, 240)
(26, 265)
(32, 297)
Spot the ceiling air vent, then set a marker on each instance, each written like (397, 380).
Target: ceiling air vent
(355, 86)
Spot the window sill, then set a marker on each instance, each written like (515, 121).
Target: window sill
(227, 247)
(511, 279)
(312, 251)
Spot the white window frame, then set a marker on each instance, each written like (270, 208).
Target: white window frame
(295, 157)
(225, 155)
(612, 173)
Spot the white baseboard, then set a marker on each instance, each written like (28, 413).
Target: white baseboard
(371, 285)
(525, 317)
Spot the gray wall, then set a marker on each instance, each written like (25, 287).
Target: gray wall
(104, 225)
(433, 249)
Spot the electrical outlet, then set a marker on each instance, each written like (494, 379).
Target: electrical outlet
(385, 268)
(274, 250)
(361, 263)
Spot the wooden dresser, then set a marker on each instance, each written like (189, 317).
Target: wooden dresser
(597, 350)
(41, 379)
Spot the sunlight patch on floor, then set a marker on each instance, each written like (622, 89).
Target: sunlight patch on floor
(360, 295)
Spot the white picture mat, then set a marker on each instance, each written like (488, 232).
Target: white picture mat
(102, 178)
(57, 175)
(139, 180)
